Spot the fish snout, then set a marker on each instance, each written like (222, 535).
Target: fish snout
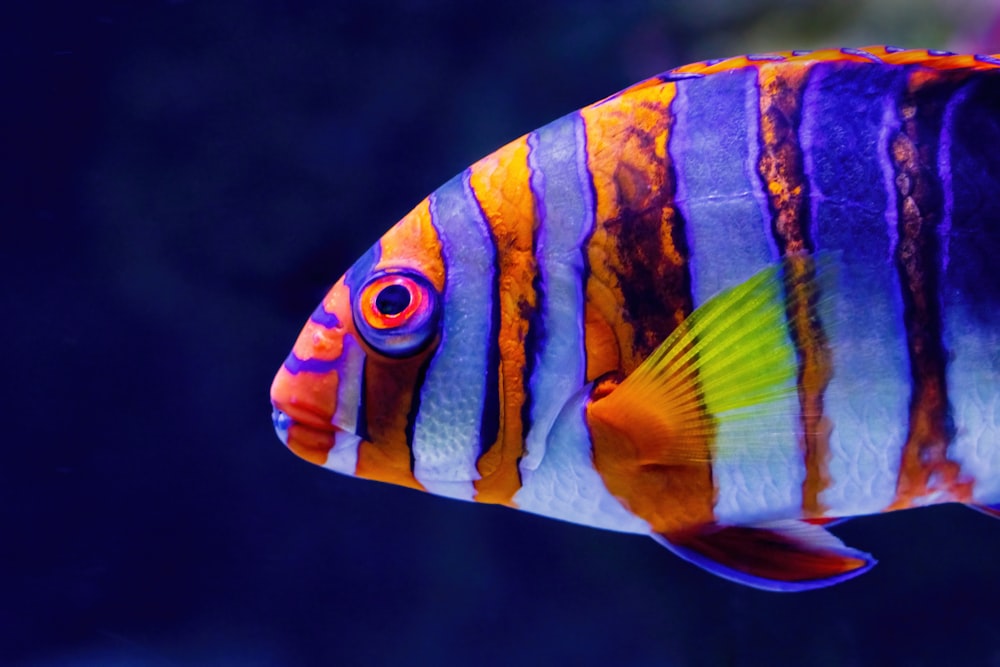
(302, 415)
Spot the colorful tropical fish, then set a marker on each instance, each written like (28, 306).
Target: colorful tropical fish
(724, 307)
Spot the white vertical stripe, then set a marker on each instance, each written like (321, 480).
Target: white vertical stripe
(758, 471)
(561, 181)
(350, 372)
(343, 458)
(757, 465)
(972, 335)
(446, 433)
(867, 399)
(565, 484)
(719, 192)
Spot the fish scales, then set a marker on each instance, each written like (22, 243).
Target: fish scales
(592, 306)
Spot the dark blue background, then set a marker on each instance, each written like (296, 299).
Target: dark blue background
(181, 181)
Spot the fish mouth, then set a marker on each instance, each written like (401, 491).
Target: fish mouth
(286, 416)
(303, 432)
(282, 422)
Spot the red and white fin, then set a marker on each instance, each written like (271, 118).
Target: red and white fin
(783, 556)
(989, 510)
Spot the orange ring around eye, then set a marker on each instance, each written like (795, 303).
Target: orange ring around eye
(377, 319)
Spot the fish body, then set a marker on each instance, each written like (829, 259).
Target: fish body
(722, 307)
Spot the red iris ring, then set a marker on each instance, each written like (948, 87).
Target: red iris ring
(369, 306)
(399, 334)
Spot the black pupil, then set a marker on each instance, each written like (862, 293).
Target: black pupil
(392, 300)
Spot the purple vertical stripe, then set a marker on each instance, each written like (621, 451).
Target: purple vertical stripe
(890, 126)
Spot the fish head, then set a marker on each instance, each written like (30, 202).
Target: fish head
(344, 397)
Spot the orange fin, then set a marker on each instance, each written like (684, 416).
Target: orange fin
(774, 556)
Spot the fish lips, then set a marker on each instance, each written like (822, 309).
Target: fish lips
(304, 432)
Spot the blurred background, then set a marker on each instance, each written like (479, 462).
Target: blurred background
(182, 180)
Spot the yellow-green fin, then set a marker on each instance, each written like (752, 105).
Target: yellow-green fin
(732, 359)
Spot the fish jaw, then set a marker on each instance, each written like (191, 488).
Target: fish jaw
(304, 428)
(315, 395)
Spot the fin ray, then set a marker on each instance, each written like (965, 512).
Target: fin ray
(732, 359)
(784, 556)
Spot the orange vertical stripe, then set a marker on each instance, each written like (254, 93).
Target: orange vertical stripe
(501, 183)
(638, 286)
(815, 373)
(781, 170)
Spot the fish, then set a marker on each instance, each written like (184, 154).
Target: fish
(727, 307)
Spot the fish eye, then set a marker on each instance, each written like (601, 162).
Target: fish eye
(397, 313)
(393, 299)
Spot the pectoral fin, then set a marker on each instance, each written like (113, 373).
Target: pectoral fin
(776, 556)
(731, 359)
(730, 367)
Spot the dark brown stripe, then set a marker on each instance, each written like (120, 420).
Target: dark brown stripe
(924, 467)
(783, 178)
(638, 291)
(639, 245)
